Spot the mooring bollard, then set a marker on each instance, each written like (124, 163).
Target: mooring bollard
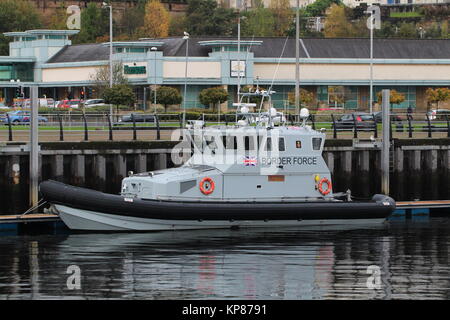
(10, 138)
(61, 130)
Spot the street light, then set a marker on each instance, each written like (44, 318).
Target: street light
(105, 5)
(186, 37)
(154, 73)
(373, 22)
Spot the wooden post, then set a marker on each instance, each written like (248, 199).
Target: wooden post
(34, 147)
(386, 124)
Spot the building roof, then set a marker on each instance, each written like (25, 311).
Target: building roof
(272, 47)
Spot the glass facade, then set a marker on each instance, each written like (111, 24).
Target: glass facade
(23, 72)
(408, 91)
(338, 96)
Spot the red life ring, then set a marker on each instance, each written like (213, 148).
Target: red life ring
(207, 185)
(320, 186)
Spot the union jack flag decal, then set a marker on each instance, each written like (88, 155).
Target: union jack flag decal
(250, 161)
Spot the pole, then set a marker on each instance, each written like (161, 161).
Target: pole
(371, 63)
(386, 142)
(185, 82)
(110, 55)
(145, 98)
(297, 60)
(239, 56)
(34, 147)
(154, 84)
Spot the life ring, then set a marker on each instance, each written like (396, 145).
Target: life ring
(207, 185)
(320, 186)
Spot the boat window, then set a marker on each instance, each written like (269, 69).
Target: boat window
(268, 146)
(298, 144)
(316, 142)
(249, 142)
(231, 142)
(281, 146)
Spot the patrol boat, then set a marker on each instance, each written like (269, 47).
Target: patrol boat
(258, 172)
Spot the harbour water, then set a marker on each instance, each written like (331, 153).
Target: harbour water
(412, 257)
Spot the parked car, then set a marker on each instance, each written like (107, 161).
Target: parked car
(69, 104)
(438, 114)
(94, 103)
(138, 117)
(20, 117)
(394, 117)
(364, 121)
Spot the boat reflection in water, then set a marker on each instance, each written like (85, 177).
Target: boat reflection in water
(247, 264)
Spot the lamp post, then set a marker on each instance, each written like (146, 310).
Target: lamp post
(186, 37)
(154, 74)
(297, 59)
(374, 21)
(105, 5)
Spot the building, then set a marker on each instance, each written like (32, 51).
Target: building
(335, 70)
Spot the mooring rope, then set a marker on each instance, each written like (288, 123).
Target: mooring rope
(32, 208)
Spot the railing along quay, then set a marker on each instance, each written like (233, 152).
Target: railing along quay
(97, 127)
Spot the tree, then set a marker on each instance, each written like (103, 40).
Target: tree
(16, 15)
(102, 75)
(407, 30)
(282, 15)
(319, 7)
(94, 24)
(167, 96)
(213, 96)
(156, 20)
(437, 95)
(204, 17)
(259, 22)
(132, 21)
(395, 97)
(119, 94)
(336, 24)
(306, 97)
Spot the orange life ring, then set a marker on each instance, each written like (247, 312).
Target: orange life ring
(207, 185)
(320, 186)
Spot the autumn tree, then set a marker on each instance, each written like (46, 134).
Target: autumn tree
(213, 96)
(282, 16)
(306, 97)
(16, 15)
(395, 97)
(437, 95)
(156, 20)
(337, 24)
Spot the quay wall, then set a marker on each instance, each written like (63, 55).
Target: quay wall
(420, 169)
